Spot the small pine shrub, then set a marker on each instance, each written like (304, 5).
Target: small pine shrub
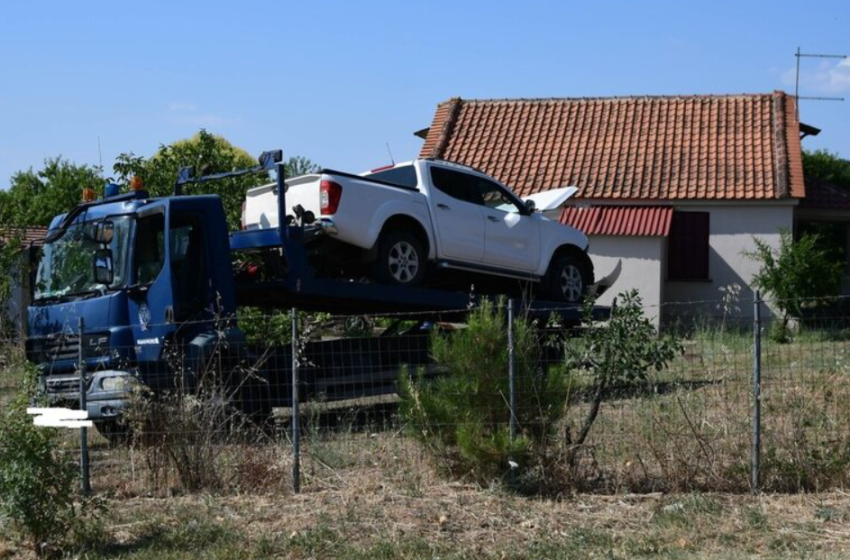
(462, 417)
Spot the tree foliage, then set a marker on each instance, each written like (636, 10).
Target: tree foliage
(797, 273)
(34, 197)
(463, 416)
(826, 167)
(621, 351)
(207, 153)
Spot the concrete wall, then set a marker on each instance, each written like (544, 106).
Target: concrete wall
(15, 310)
(732, 229)
(643, 268)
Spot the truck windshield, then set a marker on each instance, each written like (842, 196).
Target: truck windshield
(66, 267)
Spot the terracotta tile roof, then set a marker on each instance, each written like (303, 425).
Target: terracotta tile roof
(630, 148)
(639, 221)
(30, 236)
(825, 196)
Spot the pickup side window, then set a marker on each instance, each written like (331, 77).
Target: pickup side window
(495, 198)
(456, 185)
(404, 176)
(473, 189)
(150, 248)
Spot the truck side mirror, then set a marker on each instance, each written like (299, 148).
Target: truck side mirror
(104, 231)
(269, 159)
(103, 267)
(531, 205)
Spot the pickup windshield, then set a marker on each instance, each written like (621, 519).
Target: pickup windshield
(66, 268)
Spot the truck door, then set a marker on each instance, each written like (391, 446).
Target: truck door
(512, 238)
(459, 221)
(188, 267)
(150, 295)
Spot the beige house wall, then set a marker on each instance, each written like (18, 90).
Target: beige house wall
(732, 229)
(643, 266)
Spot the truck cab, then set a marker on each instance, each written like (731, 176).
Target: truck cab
(144, 275)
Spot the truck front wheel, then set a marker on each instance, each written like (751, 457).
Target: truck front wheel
(568, 279)
(401, 259)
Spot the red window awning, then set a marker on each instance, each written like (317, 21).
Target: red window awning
(632, 221)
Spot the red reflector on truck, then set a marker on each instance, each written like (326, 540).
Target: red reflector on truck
(329, 195)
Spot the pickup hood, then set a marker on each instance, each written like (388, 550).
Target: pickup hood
(550, 200)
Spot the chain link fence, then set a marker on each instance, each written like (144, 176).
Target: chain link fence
(303, 402)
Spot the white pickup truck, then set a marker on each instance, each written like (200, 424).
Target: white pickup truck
(399, 222)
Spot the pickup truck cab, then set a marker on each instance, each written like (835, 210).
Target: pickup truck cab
(430, 215)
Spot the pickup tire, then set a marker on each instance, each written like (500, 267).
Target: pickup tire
(568, 279)
(401, 259)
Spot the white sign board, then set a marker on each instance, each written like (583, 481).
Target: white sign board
(60, 417)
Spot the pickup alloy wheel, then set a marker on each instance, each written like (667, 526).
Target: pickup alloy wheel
(401, 260)
(567, 280)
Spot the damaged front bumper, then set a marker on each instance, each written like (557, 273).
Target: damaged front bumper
(107, 392)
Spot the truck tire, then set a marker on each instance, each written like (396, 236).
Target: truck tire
(568, 280)
(401, 259)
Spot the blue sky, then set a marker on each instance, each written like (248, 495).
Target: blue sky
(336, 81)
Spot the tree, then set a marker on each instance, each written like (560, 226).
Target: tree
(36, 197)
(623, 350)
(823, 166)
(207, 153)
(797, 275)
(462, 417)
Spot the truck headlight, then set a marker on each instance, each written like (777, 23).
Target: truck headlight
(117, 384)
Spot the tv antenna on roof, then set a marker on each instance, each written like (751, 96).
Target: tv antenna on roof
(800, 55)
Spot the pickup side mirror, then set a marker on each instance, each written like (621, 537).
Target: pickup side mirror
(103, 267)
(104, 231)
(531, 205)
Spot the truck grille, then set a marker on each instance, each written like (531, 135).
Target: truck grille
(65, 384)
(53, 348)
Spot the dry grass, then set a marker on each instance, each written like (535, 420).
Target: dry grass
(665, 474)
(383, 505)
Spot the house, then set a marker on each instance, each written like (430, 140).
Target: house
(674, 187)
(13, 311)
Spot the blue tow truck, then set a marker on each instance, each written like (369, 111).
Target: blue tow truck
(124, 278)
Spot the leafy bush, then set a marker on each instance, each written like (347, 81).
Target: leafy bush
(623, 350)
(463, 416)
(36, 481)
(796, 275)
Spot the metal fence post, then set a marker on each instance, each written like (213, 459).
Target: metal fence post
(756, 448)
(85, 481)
(512, 369)
(296, 430)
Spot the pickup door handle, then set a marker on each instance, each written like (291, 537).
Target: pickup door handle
(493, 219)
(443, 206)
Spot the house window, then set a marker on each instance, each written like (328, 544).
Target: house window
(687, 246)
